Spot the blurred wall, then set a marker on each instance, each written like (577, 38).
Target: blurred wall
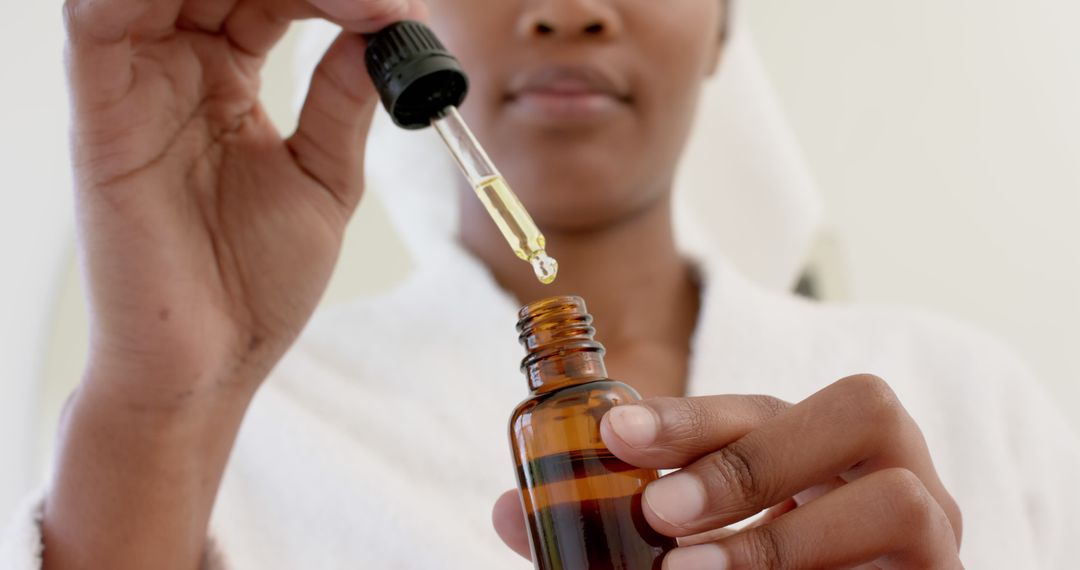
(35, 224)
(945, 139)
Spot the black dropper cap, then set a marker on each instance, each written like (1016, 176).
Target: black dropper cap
(414, 74)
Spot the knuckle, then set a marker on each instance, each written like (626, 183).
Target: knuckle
(873, 398)
(734, 469)
(692, 419)
(769, 406)
(765, 548)
(911, 504)
(349, 87)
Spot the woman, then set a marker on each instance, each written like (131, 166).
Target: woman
(207, 240)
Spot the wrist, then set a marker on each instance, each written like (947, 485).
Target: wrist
(164, 398)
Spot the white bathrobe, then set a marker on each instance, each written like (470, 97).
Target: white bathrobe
(381, 440)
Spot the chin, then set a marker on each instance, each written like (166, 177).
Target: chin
(576, 187)
(583, 207)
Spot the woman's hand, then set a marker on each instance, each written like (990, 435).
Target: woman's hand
(845, 479)
(206, 239)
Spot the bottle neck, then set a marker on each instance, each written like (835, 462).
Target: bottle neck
(558, 335)
(565, 371)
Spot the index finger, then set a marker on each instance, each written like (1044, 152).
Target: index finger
(852, 428)
(102, 34)
(112, 21)
(255, 26)
(665, 433)
(364, 15)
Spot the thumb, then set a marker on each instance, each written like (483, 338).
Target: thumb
(509, 521)
(331, 135)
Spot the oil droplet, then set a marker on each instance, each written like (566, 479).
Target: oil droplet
(545, 267)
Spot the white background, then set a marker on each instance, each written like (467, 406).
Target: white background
(945, 138)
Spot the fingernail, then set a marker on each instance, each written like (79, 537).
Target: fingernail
(699, 557)
(677, 499)
(634, 424)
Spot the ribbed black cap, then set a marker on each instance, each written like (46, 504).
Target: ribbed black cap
(415, 75)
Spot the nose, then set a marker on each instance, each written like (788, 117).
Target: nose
(569, 19)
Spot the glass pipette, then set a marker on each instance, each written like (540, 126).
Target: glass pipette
(422, 84)
(502, 204)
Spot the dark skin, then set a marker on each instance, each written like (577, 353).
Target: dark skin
(207, 239)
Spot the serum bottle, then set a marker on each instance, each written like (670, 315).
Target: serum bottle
(582, 504)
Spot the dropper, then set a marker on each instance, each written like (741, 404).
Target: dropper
(421, 84)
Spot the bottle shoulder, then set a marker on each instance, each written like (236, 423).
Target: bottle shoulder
(598, 395)
(616, 388)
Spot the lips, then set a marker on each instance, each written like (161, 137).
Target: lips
(567, 94)
(569, 81)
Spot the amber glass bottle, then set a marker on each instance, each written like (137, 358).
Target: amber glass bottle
(582, 505)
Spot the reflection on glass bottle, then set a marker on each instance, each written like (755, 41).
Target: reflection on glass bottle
(582, 505)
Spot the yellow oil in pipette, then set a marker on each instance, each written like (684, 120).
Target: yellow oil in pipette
(502, 204)
(517, 227)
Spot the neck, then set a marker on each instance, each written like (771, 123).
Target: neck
(636, 284)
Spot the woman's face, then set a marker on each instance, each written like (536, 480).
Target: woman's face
(584, 105)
